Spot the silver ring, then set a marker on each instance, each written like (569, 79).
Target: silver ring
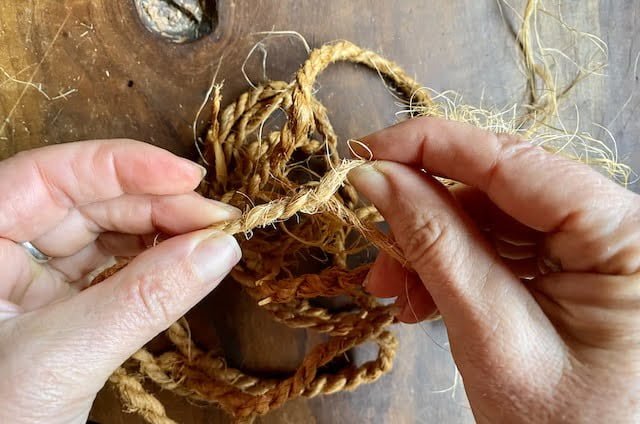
(35, 253)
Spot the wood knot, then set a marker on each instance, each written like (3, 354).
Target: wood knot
(179, 21)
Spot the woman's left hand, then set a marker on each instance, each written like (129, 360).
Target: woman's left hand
(81, 204)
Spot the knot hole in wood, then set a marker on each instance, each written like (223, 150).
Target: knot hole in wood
(179, 21)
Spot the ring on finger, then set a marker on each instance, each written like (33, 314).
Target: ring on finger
(36, 254)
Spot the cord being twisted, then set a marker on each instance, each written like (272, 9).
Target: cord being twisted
(289, 208)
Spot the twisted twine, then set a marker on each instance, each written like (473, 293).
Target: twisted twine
(291, 184)
(290, 208)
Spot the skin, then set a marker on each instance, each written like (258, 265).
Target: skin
(83, 203)
(532, 264)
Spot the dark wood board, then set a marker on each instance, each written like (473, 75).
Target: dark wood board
(123, 81)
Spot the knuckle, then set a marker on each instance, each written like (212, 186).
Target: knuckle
(150, 296)
(506, 139)
(105, 159)
(428, 239)
(511, 151)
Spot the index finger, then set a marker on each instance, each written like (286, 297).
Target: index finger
(540, 189)
(39, 187)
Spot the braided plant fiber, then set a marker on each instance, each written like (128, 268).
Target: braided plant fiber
(292, 186)
(289, 209)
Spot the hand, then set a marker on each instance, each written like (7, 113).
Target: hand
(83, 203)
(533, 265)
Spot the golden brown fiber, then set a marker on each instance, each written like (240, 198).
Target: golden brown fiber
(290, 209)
(291, 184)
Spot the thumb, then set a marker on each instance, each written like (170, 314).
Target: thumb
(97, 330)
(485, 307)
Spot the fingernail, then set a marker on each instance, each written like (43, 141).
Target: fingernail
(366, 174)
(203, 170)
(230, 212)
(215, 256)
(366, 281)
(400, 305)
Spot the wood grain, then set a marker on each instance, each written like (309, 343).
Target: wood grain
(92, 70)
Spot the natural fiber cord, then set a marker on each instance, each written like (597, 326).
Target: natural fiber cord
(257, 175)
(292, 186)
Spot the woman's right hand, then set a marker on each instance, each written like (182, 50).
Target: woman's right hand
(533, 265)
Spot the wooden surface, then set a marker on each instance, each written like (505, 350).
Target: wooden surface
(95, 72)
